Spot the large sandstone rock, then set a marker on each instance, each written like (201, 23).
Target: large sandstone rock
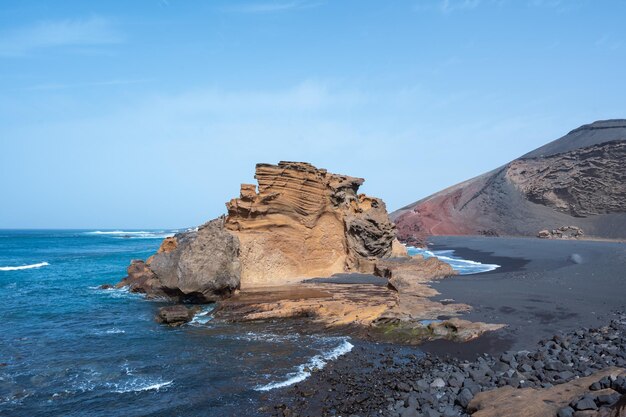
(301, 222)
(305, 222)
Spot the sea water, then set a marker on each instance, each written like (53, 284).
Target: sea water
(68, 348)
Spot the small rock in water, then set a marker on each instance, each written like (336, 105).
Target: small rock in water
(175, 315)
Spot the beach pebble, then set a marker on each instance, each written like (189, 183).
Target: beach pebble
(392, 382)
(565, 412)
(585, 403)
(438, 383)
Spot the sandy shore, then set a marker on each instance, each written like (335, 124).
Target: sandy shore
(542, 287)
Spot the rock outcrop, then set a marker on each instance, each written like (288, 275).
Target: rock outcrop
(563, 232)
(302, 222)
(305, 222)
(264, 260)
(579, 180)
(195, 266)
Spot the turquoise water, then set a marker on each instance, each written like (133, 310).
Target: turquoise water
(68, 348)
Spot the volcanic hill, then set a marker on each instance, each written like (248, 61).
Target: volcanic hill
(578, 180)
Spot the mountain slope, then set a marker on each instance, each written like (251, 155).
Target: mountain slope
(577, 180)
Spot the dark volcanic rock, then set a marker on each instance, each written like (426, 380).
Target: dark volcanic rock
(393, 382)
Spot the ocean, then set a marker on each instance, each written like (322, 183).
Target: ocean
(68, 348)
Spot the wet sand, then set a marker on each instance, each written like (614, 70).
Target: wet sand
(543, 286)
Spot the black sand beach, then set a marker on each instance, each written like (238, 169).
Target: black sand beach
(572, 289)
(542, 287)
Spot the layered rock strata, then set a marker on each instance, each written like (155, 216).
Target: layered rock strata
(301, 222)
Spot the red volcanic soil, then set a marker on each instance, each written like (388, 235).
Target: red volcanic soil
(577, 180)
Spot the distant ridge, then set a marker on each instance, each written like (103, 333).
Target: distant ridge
(577, 180)
(587, 135)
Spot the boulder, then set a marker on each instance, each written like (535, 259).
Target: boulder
(200, 265)
(175, 315)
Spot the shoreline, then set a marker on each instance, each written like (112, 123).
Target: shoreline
(543, 288)
(400, 381)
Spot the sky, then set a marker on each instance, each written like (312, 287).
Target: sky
(150, 113)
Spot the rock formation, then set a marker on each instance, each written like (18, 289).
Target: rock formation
(303, 222)
(563, 232)
(264, 259)
(579, 180)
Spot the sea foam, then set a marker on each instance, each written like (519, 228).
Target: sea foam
(142, 234)
(304, 370)
(140, 385)
(462, 266)
(19, 268)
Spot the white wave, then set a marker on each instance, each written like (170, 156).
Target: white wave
(202, 317)
(19, 268)
(304, 370)
(123, 292)
(462, 266)
(142, 234)
(139, 386)
(265, 337)
(115, 330)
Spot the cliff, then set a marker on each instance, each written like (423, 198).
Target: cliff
(575, 181)
(302, 222)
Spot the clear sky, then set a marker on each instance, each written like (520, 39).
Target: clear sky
(149, 114)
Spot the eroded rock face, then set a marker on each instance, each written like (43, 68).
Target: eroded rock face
(302, 222)
(305, 222)
(581, 183)
(579, 180)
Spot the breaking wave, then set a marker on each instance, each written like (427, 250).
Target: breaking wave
(142, 234)
(139, 385)
(202, 317)
(462, 266)
(304, 370)
(19, 268)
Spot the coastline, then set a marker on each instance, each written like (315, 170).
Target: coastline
(543, 288)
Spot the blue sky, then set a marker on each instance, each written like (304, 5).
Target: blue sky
(149, 114)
